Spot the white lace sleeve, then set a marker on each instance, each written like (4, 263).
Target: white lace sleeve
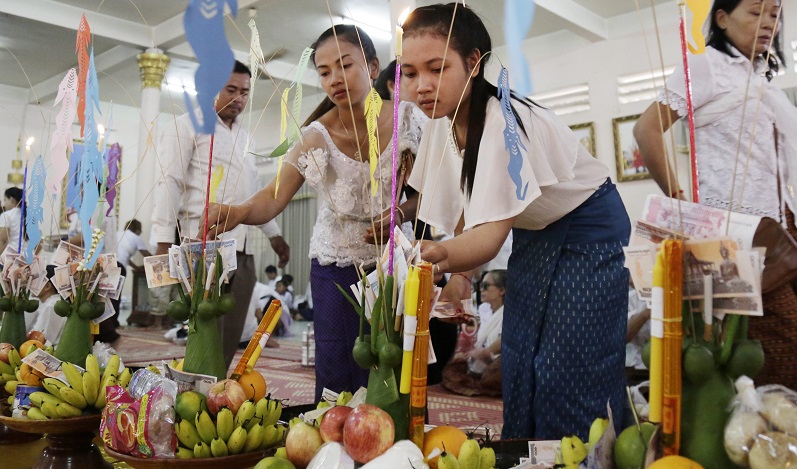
(702, 79)
(309, 155)
(411, 121)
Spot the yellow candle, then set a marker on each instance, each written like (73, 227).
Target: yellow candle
(656, 339)
(410, 326)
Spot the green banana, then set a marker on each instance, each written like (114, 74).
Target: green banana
(469, 454)
(6, 377)
(487, 458)
(53, 386)
(281, 453)
(218, 448)
(205, 426)
(50, 410)
(237, 440)
(91, 387)
(187, 434)
(245, 413)
(447, 461)
(66, 410)
(225, 423)
(74, 397)
(14, 359)
(344, 398)
(274, 412)
(92, 365)
(202, 450)
(5, 368)
(34, 413)
(254, 438)
(73, 376)
(11, 387)
(38, 398)
(184, 453)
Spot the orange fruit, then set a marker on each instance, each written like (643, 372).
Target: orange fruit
(443, 437)
(30, 376)
(27, 347)
(675, 462)
(254, 385)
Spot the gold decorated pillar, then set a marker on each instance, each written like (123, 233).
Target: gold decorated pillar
(153, 64)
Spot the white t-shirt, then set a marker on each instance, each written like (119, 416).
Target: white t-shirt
(10, 219)
(48, 322)
(557, 173)
(127, 244)
(260, 296)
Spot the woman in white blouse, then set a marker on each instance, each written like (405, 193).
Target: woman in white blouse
(333, 157)
(738, 112)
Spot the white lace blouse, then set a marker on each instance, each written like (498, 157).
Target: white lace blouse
(718, 96)
(346, 205)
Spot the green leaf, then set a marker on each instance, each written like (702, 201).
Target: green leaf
(351, 300)
(281, 149)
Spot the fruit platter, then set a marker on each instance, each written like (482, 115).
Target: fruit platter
(234, 461)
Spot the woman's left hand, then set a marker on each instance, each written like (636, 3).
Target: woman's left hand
(382, 225)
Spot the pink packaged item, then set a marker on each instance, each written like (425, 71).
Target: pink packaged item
(142, 428)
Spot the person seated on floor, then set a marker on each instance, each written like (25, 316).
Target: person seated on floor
(286, 298)
(262, 295)
(478, 371)
(272, 276)
(47, 321)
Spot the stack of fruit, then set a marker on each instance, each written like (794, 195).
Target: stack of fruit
(573, 451)
(82, 393)
(13, 371)
(225, 423)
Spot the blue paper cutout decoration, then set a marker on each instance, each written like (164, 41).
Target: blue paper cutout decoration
(90, 165)
(113, 157)
(518, 16)
(34, 214)
(511, 137)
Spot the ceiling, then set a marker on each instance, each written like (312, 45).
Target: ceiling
(37, 36)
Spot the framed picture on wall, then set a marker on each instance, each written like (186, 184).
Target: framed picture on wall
(630, 166)
(70, 186)
(586, 135)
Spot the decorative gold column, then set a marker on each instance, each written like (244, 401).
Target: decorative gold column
(153, 64)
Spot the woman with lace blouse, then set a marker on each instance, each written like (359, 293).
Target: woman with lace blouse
(738, 112)
(332, 156)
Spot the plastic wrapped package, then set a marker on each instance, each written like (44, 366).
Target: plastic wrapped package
(140, 427)
(103, 352)
(762, 430)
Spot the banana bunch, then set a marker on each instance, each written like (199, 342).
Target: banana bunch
(573, 451)
(230, 434)
(471, 456)
(9, 373)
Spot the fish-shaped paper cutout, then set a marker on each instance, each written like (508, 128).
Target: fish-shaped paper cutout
(518, 16)
(215, 180)
(292, 122)
(82, 50)
(34, 211)
(91, 164)
(256, 57)
(511, 138)
(62, 135)
(204, 30)
(373, 106)
(113, 158)
(700, 10)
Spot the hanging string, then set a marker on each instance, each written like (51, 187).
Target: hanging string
(207, 194)
(396, 90)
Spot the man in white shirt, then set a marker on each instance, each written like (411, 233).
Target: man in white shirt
(51, 324)
(129, 242)
(180, 193)
(10, 219)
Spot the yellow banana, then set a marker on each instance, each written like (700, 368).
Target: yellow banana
(112, 367)
(573, 451)
(11, 386)
(53, 386)
(469, 454)
(596, 431)
(50, 410)
(18, 374)
(14, 359)
(154, 369)
(447, 461)
(254, 438)
(66, 410)
(38, 398)
(10, 400)
(124, 378)
(344, 398)
(218, 448)
(6, 377)
(237, 440)
(281, 453)
(92, 365)
(274, 412)
(201, 450)
(205, 427)
(73, 397)
(187, 434)
(101, 396)
(225, 424)
(5, 368)
(184, 453)
(34, 413)
(245, 413)
(73, 376)
(91, 387)
(486, 458)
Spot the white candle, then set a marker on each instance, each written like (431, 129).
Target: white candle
(28, 144)
(708, 298)
(399, 37)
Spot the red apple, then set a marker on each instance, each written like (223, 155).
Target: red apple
(225, 393)
(37, 335)
(5, 347)
(332, 424)
(368, 432)
(302, 443)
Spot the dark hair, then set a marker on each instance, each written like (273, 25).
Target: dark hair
(241, 68)
(499, 277)
(719, 40)
(468, 34)
(14, 193)
(133, 225)
(288, 279)
(388, 75)
(270, 269)
(348, 33)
